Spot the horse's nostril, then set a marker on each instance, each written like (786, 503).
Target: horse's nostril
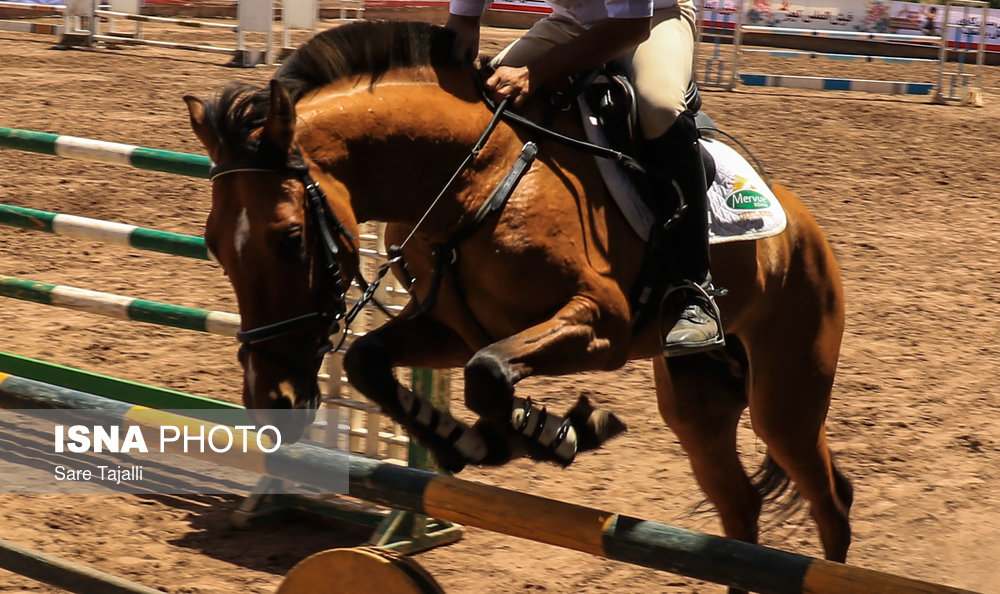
(283, 401)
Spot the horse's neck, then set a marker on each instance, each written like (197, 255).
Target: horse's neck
(395, 147)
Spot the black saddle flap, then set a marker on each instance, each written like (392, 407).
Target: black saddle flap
(611, 97)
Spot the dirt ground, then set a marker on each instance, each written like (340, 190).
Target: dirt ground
(901, 186)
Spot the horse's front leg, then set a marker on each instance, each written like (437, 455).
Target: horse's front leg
(580, 337)
(414, 342)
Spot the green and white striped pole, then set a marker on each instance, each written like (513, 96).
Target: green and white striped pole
(121, 307)
(176, 244)
(100, 151)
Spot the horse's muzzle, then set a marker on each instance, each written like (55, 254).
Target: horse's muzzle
(290, 407)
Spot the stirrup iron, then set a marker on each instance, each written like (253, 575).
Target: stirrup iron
(704, 299)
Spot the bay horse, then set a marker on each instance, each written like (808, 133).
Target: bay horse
(367, 122)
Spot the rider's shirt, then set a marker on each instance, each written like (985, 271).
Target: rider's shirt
(581, 12)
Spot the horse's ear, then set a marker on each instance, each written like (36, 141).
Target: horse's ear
(202, 129)
(279, 127)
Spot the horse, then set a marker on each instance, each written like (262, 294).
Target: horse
(367, 122)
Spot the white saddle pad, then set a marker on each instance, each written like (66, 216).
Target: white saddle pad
(742, 206)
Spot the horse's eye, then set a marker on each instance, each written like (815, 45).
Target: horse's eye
(290, 241)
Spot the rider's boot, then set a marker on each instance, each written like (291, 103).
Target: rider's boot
(699, 325)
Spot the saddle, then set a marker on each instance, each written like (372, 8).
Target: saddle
(742, 206)
(610, 99)
(738, 197)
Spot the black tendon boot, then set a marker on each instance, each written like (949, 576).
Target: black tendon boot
(699, 324)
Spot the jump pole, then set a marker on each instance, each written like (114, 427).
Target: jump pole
(123, 234)
(788, 81)
(41, 8)
(143, 238)
(123, 307)
(99, 151)
(601, 533)
(120, 306)
(835, 56)
(819, 83)
(929, 40)
(108, 387)
(63, 574)
(145, 18)
(36, 28)
(971, 94)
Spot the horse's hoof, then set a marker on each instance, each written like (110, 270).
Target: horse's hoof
(449, 460)
(468, 448)
(593, 426)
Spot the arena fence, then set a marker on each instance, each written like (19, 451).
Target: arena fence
(253, 16)
(83, 20)
(963, 85)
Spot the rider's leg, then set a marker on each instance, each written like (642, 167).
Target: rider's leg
(698, 327)
(673, 155)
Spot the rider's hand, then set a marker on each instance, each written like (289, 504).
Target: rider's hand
(513, 83)
(466, 30)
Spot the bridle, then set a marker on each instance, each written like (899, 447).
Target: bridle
(328, 229)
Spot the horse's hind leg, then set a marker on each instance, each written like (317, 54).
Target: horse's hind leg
(701, 399)
(789, 398)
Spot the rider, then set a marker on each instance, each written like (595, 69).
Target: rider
(655, 38)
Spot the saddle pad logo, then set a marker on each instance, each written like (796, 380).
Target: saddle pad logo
(747, 200)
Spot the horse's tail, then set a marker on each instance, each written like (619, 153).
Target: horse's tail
(776, 491)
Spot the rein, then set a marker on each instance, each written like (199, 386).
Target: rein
(561, 102)
(329, 228)
(446, 254)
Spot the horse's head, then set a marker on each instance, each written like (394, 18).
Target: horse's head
(289, 251)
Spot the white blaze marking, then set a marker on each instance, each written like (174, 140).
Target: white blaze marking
(242, 232)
